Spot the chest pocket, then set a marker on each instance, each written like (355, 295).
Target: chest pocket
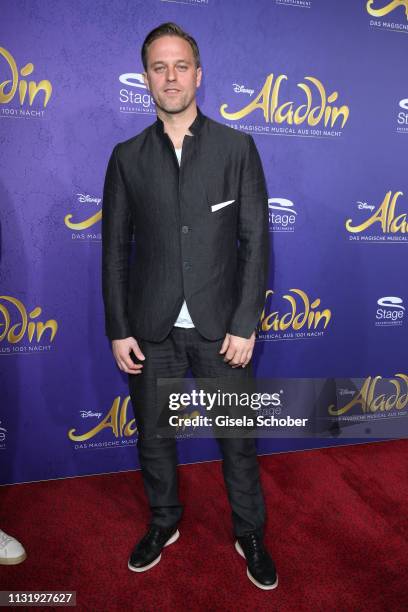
(221, 205)
(221, 184)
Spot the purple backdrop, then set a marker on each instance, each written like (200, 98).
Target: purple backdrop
(322, 86)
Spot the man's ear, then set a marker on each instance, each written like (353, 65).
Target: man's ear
(146, 82)
(199, 76)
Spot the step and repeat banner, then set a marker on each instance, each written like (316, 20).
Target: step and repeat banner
(322, 87)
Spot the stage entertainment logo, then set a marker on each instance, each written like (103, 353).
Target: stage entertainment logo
(383, 224)
(374, 397)
(295, 3)
(21, 97)
(313, 115)
(192, 2)
(20, 332)
(390, 311)
(3, 436)
(292, 316)
(402, 117)
(395, 10)
(282, 215)
(83, 203)
(134, 97)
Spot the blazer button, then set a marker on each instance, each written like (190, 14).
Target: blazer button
(187, 265)
(185, 229)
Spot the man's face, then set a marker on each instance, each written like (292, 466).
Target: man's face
(172, 77)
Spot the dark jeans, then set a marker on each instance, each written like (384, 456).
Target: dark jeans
(181, 350)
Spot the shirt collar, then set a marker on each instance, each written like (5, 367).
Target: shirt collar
(194, 127)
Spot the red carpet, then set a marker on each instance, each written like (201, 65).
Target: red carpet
(337, 530)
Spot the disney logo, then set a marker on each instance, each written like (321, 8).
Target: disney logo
(346, 391)
(365, 206)
(87, 198)
(242, 89)
(86, 414)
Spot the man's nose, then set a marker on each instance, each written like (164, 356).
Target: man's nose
(171, 74)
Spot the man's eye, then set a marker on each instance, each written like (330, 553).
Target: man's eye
(183, 67)
(159, 69)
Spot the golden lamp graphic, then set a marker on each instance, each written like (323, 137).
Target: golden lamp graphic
(302, 313)
(370, 401)
(26, 326)
(388, 8)
(116, 421)
(23, 86)
(268, 100)
(385, 216)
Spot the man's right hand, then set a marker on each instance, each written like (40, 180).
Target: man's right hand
(121, 351)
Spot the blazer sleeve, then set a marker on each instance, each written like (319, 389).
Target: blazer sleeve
(253, 248)
(116, 237)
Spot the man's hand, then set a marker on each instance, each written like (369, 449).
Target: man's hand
(238, 351)
(121, 351)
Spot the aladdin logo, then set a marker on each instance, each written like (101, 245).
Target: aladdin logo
(135, 95)
(390, 311)
(86, 223)
(391, 6)
(116, 422)
(268, 101)
(369, 401)
(384, 219)
(284, 219)
(27, 90)
(26, 329)
(299, 314)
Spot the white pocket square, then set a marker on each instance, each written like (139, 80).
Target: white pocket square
(215, 207)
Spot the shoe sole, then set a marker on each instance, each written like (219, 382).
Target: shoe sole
(171, 540)
(14, 560)
(265, 587)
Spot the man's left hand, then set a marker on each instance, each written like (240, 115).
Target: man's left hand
(238, 351)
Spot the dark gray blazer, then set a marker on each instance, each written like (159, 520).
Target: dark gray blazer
(200, 230)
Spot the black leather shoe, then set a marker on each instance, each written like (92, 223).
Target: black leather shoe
(147, 551)
(261, 569)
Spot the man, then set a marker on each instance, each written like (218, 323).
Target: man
(193, 192)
